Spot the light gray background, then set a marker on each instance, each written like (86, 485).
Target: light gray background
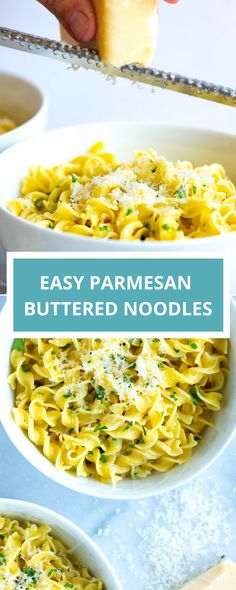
(197, 37)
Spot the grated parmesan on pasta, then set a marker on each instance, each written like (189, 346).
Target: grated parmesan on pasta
(117, 408)
(30, 557)
(151, 199)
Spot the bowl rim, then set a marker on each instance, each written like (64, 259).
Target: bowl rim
(66, 524)
(101, 490)
(86, 240)
(13, 134)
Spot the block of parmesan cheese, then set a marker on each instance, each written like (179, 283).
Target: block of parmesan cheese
(126, 31)
(221, 577)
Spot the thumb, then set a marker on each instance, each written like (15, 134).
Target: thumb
(77, 16)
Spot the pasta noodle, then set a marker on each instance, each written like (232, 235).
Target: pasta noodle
(6, 124)
(117, 408)
(150, 199)
(30, 557)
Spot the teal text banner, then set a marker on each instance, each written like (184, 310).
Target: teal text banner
(70, 295)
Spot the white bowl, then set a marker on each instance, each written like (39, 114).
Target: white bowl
(197, 145)
(213, 443)
(26, 104)
(83, 548)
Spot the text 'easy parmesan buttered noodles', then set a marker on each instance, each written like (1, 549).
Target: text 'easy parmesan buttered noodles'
(94, 195)
(117, 408)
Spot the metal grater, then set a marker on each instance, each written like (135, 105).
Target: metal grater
(89, 58)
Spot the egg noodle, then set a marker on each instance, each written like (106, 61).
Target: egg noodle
(150, 199)
(6, 124)
(116, 408)
(30, 557)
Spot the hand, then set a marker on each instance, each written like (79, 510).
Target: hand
(77, 16)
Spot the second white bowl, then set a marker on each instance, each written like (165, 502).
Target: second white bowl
(83, 548)
(214, 440)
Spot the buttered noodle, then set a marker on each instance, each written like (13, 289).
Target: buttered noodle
(6, 124)
(117, 408)
(151, 199)
(30, 557)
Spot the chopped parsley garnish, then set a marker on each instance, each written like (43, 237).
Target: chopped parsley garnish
(166, 226)
(127, 378)
(194, 394)
(194, 189)
(132, 445)
(181, 193)
(65, 347)
(193, 346)
(2, 559)
(18, 344)
(144, 430)
(128, 425)
(52, 571)
(74, 178)
(154, 170)
(103, 227)
(68, 585)
(99, 427)
(100, 392)
(38, 203)
(31, 573)
(141, 441)
(67, 395)
(174, 396)
(129, 211)
(103, 459)
(25, 368)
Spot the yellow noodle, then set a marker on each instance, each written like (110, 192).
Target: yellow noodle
(117, 408)
(150, 199)
(6, 124)
(30, 557)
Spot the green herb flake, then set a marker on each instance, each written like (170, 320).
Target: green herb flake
(193, 346)
(74, 178)
(103, 227)
(39, 203)
(25, 368)
(166, 227)
(197, 438)
(67, 395)
(65, 347)
(2, 559)
(18, 344)
(181, 193)
(68, 585)
(144, 431)
(129, 211)
(52, 571)
(174, 396)
(132, 445)
(100, 392)
(103, 459)
(99, 427)
(194, 188)
(31, 573)
(194, 394)
(127, 426)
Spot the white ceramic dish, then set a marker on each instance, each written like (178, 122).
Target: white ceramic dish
(26, 104)
(197, 145)
(72, 536)
(214, 440)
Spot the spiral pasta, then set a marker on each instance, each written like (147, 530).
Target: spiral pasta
(117, 408)
(6, 124)
(150, 199)
(30, 557)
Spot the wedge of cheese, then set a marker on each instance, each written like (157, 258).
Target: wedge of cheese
(126, 31)
(221, 577)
